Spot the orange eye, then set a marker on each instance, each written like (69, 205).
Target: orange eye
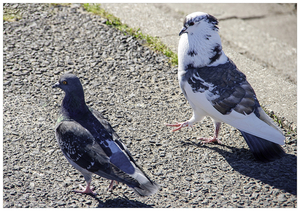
(65, 82)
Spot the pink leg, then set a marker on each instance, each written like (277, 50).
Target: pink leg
(111, 185)
(178, 125)
(215, 138)
(88, 189)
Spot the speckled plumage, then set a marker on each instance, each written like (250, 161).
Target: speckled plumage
(215, 87)
(226, 86)
(91, 145)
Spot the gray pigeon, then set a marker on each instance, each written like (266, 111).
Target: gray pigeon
(215, 87)
(91, 145)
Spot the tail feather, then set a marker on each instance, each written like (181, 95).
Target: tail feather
(145, 186)
(146, 189)
(138, 181)
(263, 149)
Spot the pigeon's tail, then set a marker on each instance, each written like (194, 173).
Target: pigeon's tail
(145, 187)
(263, 149)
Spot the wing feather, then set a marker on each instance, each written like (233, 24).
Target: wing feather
(228, 97)
(79, 146)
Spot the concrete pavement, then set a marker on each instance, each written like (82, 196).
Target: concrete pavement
(260, 38)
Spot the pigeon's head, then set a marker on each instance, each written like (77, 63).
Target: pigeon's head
(200, 42)
(70, 84)
(199, 21)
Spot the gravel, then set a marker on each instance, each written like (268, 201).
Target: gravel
(137, 91)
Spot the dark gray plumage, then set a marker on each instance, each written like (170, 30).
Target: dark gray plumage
(231, 90)
(91, 145)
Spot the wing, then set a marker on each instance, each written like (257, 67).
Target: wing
(225, 86)
(105, 124)
(79, 146)
(116, 138)
(110, 142)
(225, 94)
(125, 161)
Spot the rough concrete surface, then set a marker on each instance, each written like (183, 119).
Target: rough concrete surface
(137, 91)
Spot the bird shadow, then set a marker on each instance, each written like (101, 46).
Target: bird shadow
(120, 202)
(281, 173)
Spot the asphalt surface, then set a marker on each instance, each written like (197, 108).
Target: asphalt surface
(137, 91)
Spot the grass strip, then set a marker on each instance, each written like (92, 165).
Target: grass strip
(153, 42)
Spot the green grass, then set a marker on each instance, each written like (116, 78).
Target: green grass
(278, 120)
(153, 42)
(11, 15)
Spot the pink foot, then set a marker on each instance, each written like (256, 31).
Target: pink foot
(209, 140)
(178, 125)
(111, 185)
(215, 138)
(87, 190)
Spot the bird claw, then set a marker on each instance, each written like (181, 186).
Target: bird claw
(87, 190)
(178, 125)
(209, 140)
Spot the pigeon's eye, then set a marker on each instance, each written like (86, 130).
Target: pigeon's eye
(65, 82)
(191, 23)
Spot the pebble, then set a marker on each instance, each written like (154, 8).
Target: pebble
(281, 198)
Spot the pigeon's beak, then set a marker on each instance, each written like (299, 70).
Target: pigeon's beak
(56, 85)
(182, 31)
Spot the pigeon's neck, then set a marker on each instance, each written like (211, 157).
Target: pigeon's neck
(73, 106)
(199, 50)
